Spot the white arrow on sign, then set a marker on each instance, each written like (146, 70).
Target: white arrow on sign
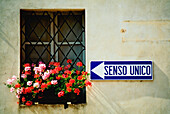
(99, 70)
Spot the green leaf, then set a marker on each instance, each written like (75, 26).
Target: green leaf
(25, 79)
(18, 81)
(51, 78)
(9, 86)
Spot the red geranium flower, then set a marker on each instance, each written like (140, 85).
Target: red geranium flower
(69, 61)
(58, 78)
(27, 90)
(58, 69)
(17, 85)
(54, 71)
(79, 78)
(43, 86)
(36, 75)
(64, 75)
(56, 63)
(26, 65)
(68, 84)
(31, 87)
(84, 73)
(79, 64)
(28, 72)
(77, 91)
(38, 81)
(28, 103)
(69, 89)
(67, 72)
(77, 72)
(71, 81)
(23, 99)
(36, 91)
(48, 83)
(51, 63)
(67, 67)
(61, 93)
(88, 83)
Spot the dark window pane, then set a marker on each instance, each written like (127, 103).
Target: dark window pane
(32, 22)
(32, 55)
(70, 54)
(71, 20)
(43, 24)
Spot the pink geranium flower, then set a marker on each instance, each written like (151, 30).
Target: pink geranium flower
(42, 66)
(37, 85)
(37, 69)
(46, 75)
(54, 82)
(23, 76)
(17, 96)
(29, 83)
(19, 91)
(14, 78)
(9, 81)
(12, 89)
(61, 93)
(27, 68)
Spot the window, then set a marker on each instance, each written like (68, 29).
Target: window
(53, 36)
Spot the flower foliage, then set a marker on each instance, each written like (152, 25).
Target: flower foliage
(36, 79)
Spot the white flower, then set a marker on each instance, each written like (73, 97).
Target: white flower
(54, 82)
(42, 66)
(29, 83)
(46, 75)
(27, 68)
(12, 89)
(17, 96)
(37, 69)
(36, 85)
(9, 81)
(19, 91)
(23, 75)
(14, 78)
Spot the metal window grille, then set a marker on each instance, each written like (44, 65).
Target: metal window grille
(52, 36)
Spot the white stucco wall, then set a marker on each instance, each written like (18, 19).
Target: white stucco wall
(147, 37)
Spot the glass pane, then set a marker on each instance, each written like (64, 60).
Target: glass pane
(33, 55)
(31, 22)
(65, 28)
(71, 55)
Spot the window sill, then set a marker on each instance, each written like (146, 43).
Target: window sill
(55, 105)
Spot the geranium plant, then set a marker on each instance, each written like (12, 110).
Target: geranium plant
(37, 79)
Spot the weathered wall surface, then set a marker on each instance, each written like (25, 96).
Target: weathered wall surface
(147, 36)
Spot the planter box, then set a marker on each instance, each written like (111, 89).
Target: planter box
(49, 97)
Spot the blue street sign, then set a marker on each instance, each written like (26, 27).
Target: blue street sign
(121, 70)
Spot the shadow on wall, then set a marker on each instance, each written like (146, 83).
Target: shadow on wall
(156, 95)
(102, 103)
(160, 83)
(5, 37)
